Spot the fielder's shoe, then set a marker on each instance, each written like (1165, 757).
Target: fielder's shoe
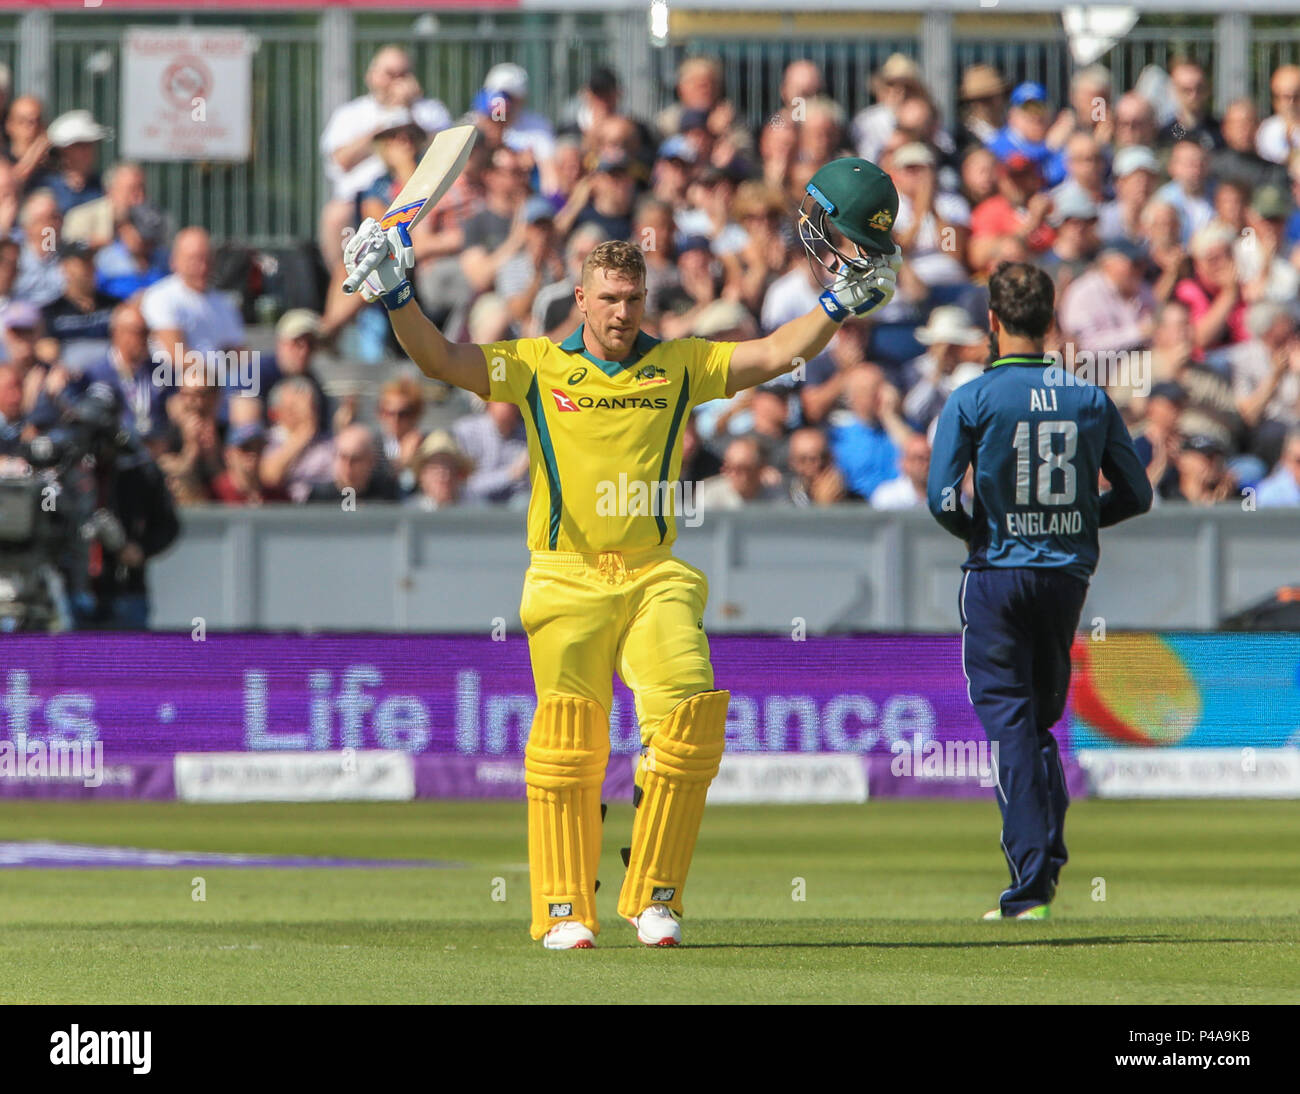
(657, 927)
(1038, 911)
(569, 936)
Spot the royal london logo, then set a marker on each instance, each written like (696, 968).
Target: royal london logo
(882, 221)
(562, 400)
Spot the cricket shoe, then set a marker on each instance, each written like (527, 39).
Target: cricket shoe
(569, 935)
(1038, 911)
(657, 927)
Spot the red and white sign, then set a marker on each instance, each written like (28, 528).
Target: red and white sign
(186, 94)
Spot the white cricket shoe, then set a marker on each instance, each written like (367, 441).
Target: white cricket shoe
(569, 935)
(657, 927)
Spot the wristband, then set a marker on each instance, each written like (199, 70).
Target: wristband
(833, 307)
(396, 298)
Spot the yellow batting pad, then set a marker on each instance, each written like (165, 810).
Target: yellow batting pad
(678, 765)
(564, 766)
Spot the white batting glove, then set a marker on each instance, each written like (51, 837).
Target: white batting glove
(378, 262)
(862, 291)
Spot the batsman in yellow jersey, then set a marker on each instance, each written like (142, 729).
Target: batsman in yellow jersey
(604, 412)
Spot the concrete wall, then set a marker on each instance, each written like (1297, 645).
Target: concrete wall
(382, 568)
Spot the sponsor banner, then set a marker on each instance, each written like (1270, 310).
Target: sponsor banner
(186, 94)
(787, 778)
(1192, 772)
(295, 776)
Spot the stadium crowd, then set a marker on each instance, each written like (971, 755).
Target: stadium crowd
(1172, 235)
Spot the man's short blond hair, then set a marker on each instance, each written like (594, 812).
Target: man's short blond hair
(618, 257)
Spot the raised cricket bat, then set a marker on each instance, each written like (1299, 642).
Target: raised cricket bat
(433, 177)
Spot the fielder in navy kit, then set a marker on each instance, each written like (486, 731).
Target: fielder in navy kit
(1036, 438)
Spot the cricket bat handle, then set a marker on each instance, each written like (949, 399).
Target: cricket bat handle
(368, 264)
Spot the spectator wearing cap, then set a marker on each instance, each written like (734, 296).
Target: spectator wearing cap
(982, 102)
(127, 366)
(555, 311)
(1110, 307)
(1265, 375)
(359, 474)
(75, 138)
(297, 339)
(1203, 475)
(951, 342)
(1025, 133)
(1135, 122)
(1186, 188)
(495, 234)
(40, 273)
(136, 258)
(1192, 119)
(1017, 210)
(537, 264)
(29, 144)
(1279, 134)
(299, 454)
(1282, 487)
(79, 319)
(868, 437)
(746, 479)
(1259, 254)
(184, 312)
(401, 406)
(932, 226)
(613, 194)
(890, 84)
(441, 469)
(1238, 159)
(813, 479)
(20, 323)
(1159, 438)
(238, 483)
(504, 100)
(908, 490)
(1212, 294)
(1074, 219)
(495, 444)
(347, 144)
(674, 168)
(1136, 172)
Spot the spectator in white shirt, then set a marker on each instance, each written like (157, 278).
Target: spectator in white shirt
(347, 144)
(185, 314)
(1282, 487)
(1279, 135)
(40, 274)
(932, 226)
(894, 81)
(1185, 190)
(908, 490)
(502, 104)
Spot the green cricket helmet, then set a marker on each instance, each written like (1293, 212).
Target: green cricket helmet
(856, 199)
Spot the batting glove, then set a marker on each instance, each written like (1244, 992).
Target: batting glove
(386, 257)
(859, 291)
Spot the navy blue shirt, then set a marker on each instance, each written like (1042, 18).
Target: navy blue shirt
(1037, 438)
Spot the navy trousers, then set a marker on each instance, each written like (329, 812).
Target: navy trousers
(1017, 628)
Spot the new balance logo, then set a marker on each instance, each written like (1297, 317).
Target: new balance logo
(662, 895)
(556, 911)
(562, 400)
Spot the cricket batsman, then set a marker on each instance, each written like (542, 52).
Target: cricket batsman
(603, 592)
(1037, 439)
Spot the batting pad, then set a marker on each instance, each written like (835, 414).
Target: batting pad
(564, 766)
(677, 767)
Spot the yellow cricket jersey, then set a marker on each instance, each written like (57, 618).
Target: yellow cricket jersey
(604, 437)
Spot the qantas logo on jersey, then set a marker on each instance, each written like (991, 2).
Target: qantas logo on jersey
(562, 399)
(622, 402)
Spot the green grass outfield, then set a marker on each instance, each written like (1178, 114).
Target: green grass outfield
(1202, 904)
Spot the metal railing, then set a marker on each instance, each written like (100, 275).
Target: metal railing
(308, 62)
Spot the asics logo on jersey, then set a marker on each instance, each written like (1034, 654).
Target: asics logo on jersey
(577, 375)
(562, 399)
